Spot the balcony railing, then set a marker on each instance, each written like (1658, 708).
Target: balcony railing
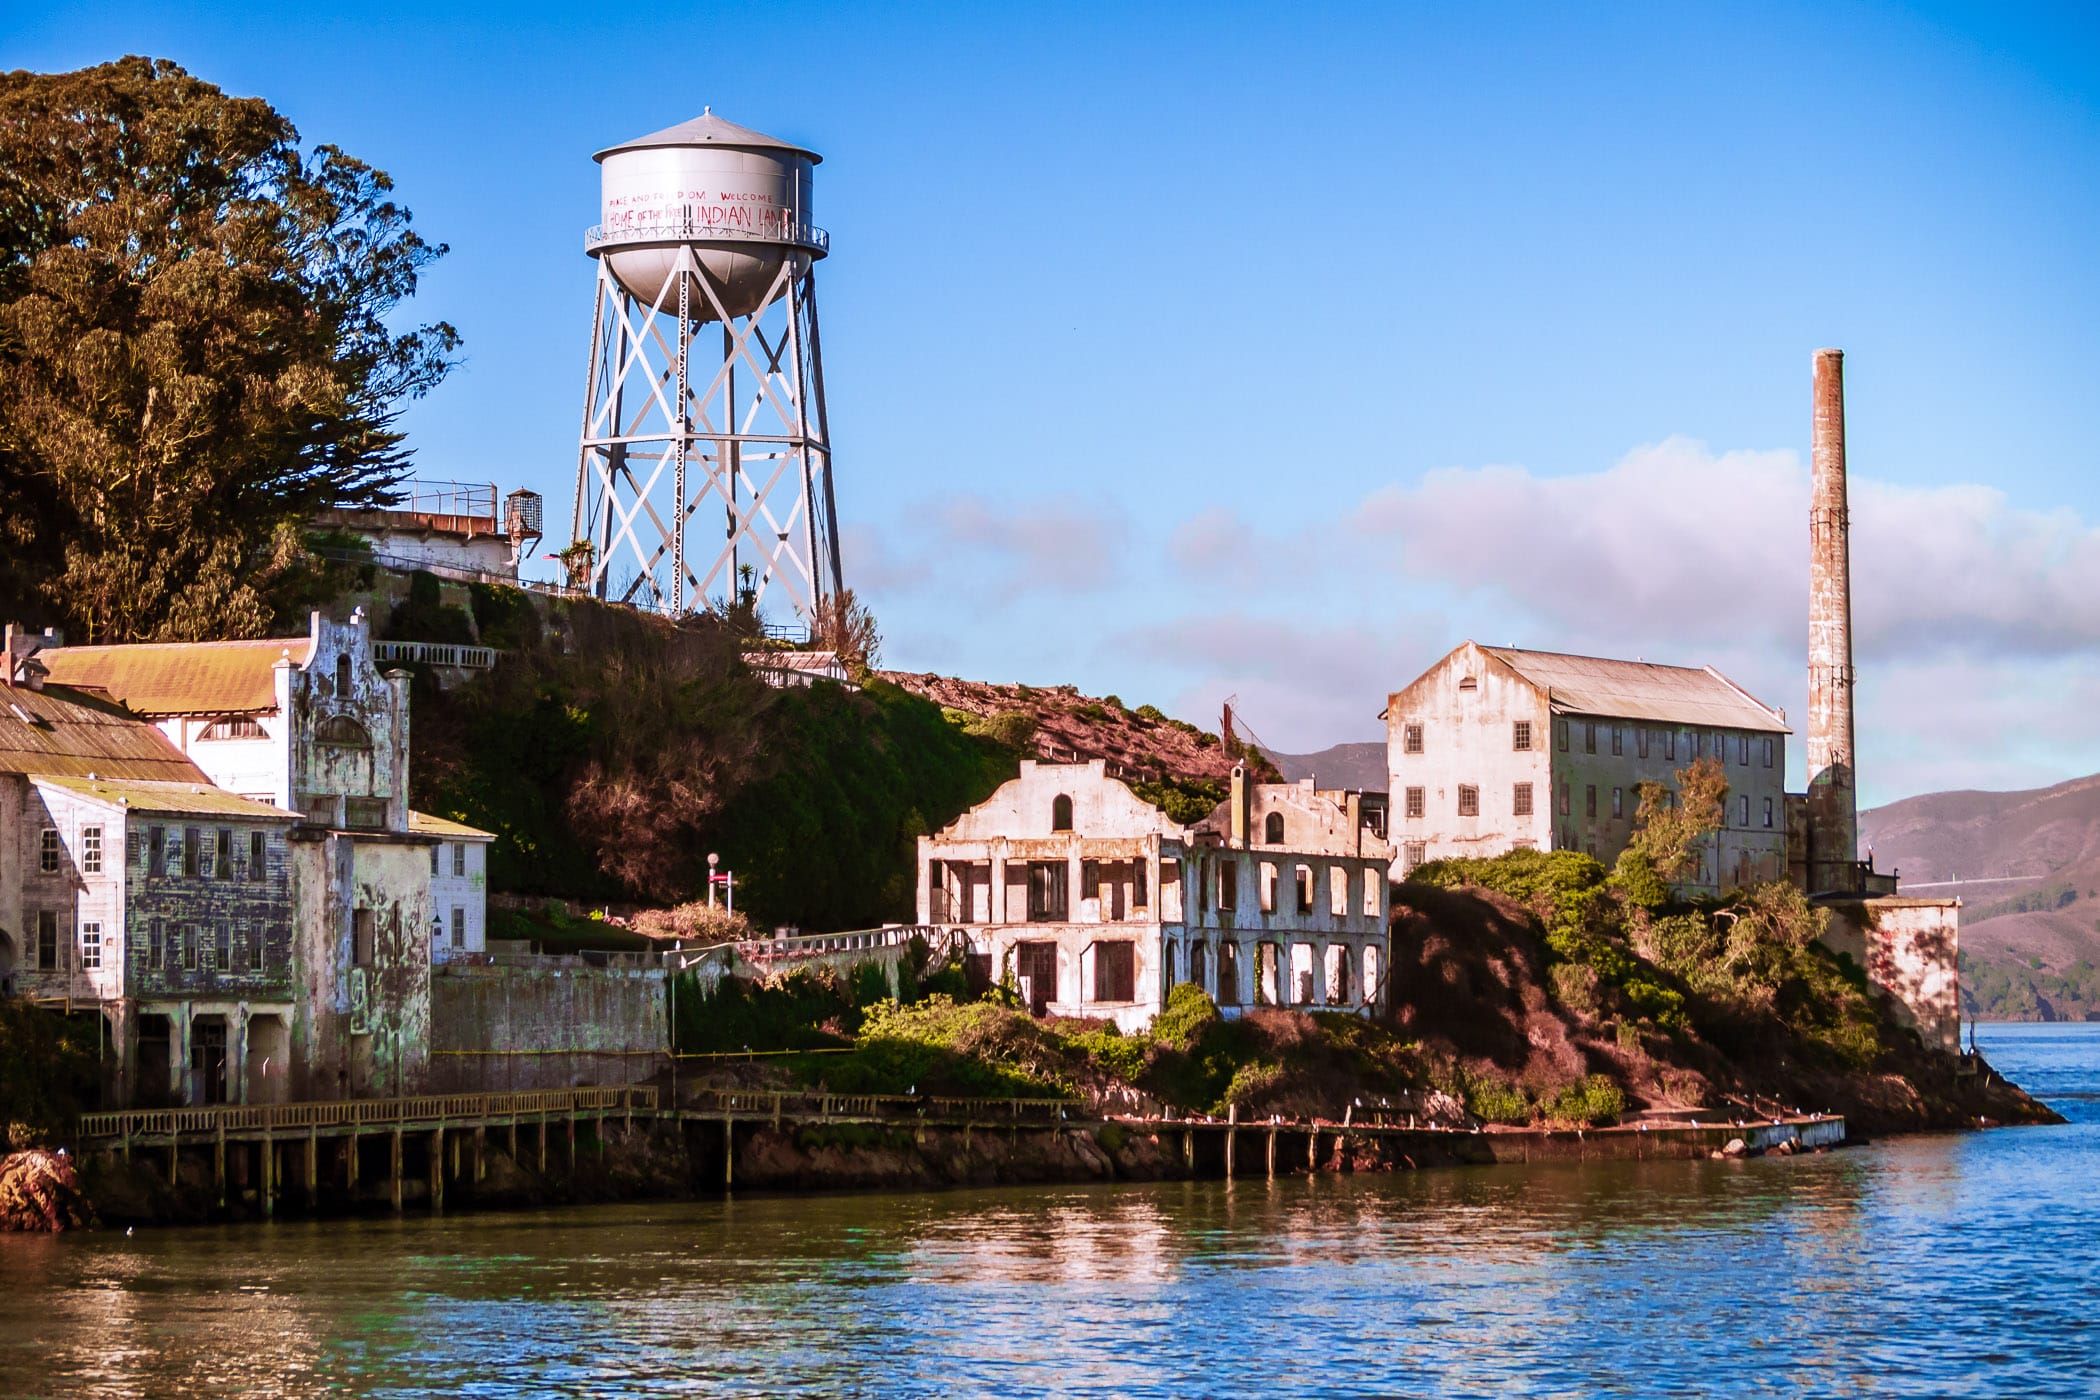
(799, 235)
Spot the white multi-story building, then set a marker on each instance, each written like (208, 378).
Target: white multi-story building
(1092, 902)
(459, 884)
(1494, 749)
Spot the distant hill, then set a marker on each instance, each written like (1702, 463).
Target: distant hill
(2026, 866)
(1342, 766)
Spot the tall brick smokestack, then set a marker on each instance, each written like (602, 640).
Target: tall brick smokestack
(1833, 810)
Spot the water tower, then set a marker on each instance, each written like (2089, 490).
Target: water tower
(705, 468)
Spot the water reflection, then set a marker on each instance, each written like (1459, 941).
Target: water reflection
(1926, 1266)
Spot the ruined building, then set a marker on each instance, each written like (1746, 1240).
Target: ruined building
(1089, 901)
(1495, 749)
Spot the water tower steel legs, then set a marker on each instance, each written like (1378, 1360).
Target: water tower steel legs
(759, 437)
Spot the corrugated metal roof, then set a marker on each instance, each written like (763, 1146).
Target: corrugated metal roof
(181, 678)
(424, 824)
(707, 129)
(63, 732)
(1595, 685)
(183, 799)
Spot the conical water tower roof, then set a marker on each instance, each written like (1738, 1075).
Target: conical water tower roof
(707, 129)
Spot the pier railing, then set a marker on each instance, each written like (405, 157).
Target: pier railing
(797, 1104)
(248, 1118)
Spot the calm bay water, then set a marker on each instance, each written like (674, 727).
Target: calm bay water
(1965, 1264)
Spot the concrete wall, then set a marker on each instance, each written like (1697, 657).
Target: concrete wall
(545, 1027)
(1468, 739)
(1911, 949)
(363, 1029)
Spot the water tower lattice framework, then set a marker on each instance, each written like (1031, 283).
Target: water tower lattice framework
(705, 400)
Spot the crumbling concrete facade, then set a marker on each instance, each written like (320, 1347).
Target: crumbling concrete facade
(1910, 949)
(1494, 749)
(1091, 902)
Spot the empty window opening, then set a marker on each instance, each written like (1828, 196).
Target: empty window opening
(1469, 683)
(1371, 988)
(47, 944)
(1272, 829)
(1468, 800)
(1340, 984)
(1228, 886)
(1115, 972)
(1199, 966)
(1035, 973)
(1303, 879)
(364, 937)
(1520, 736)
(1049, 891)
(1520, 800)
(1337, 892)
(1268, 976)
(1302, 975)
(1374, 884)
(1228, 973)
(342, 675)
(1060, 813)
(1268, 888)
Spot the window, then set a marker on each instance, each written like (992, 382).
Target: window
(1742, 810)
(364, 935)
(1560, 734)
(91, 944)
(91, 850)
(1469, 683)
(1618, 742)
(1337, 891)
(1228, 973)
(189, 948)
(1565, 799)
(47, 940)
(156, 850)
(47, 851)
(1414, 853)
(1589, 738)
(1742, 749)
(222, 949)
(459, 927)
(156, 945)
(1272, 829)
(1372, 879)
(339, 732)
(1417, 803)
(1115, 972)
(1520, 800)
(459, 858)
(1303, 878)
(434, 851)
(1640, 741)
(1411, 739)
(258, 856)
(1049, 891)
(1669, 743)
(1468, 800)
(1768, 813)
(1061, 813)
(1618, 802)
(342, 675)
(1520, 736)
(1228, 885)
(364, 813)
(192, 844)
(1590, 800)
(233, 729)
(1268, 888)
(224, 847)
(1768, 753)
(1699, 745)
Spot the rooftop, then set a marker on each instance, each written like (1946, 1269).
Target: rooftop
(62, 732)
(424, 824)
(184, 799)
(157, 679)
(707, 129)
(1595, 685)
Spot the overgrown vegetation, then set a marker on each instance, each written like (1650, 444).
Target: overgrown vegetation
(47, 1073)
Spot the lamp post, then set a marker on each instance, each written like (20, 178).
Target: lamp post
(713, 860)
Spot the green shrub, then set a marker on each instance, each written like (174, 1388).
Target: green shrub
(1189, 1015)
(1111, 1137)
(1152, 713)
(1593, 1100)
(1492, 1101)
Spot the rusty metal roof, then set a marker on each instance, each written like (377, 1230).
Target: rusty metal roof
(180, 678)
(424, 824)
(62, 732)
(1595, 685)
(183, 799)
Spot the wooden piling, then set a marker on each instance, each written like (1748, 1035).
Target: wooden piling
(543, 1142)
(174, 1158)
(1188, 1150)
(572, 1142)
(481, 1133)
(1272, 1154)
(396, 1170)
(728, 1151)
(1312, 1150)
(437, 1169)
(313, 1167)
(350, 1164)
(218, 1157)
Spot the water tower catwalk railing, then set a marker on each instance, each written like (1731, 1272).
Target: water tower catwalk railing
(737, 426)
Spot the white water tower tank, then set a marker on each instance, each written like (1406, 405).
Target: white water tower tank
(737, 197)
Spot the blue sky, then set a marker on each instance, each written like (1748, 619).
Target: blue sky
(1180, 352)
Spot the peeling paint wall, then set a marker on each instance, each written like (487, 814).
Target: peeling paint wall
(545, 1027)
(363, 914)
